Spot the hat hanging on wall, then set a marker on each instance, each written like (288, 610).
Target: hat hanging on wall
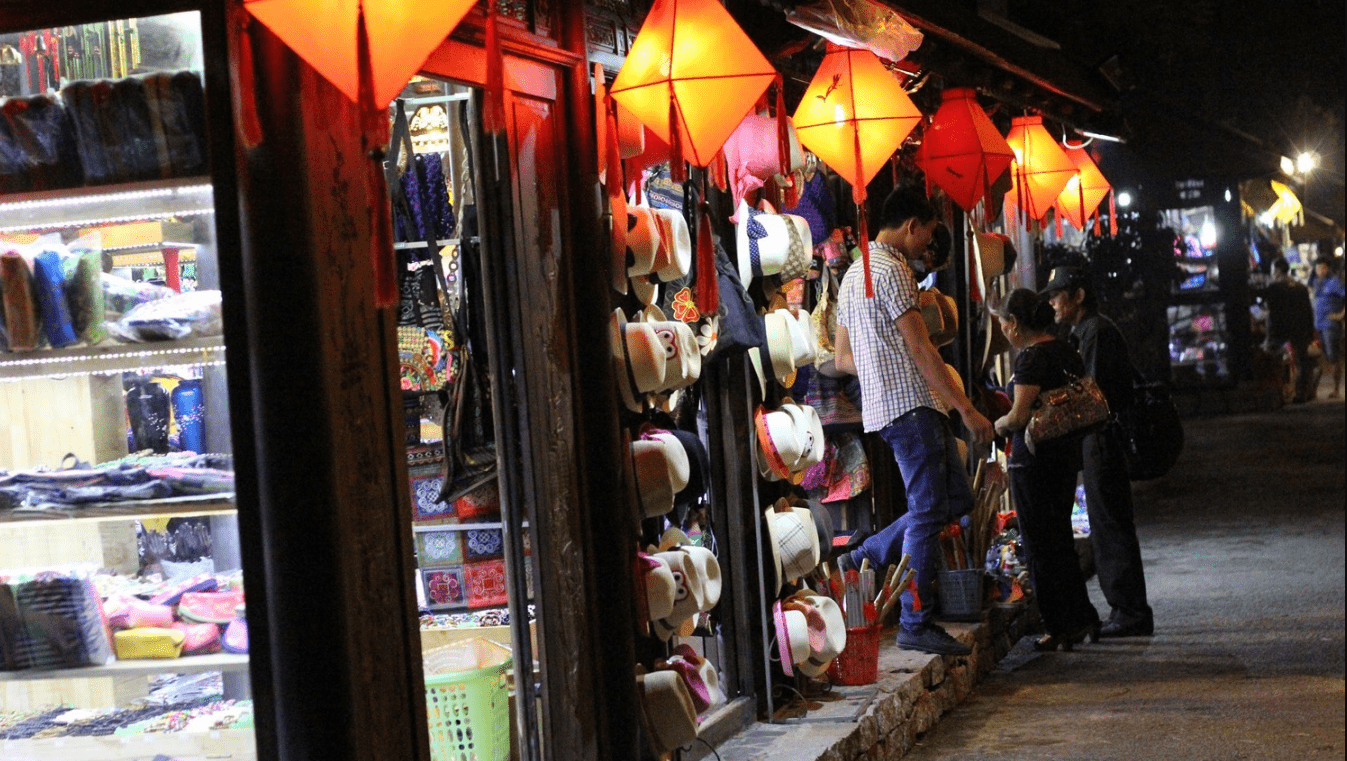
(639, 356)
(792, 636)
(765, 243)
(667, 711)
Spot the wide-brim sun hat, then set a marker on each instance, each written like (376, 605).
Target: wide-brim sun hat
(639, 356)
(667, 711)
(792, 543)
(792, 636)
(834, 639)
(642, 240)
(779, 445)
(673, 258)
(654, 477)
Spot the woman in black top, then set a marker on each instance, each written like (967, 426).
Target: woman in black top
(1043, 482)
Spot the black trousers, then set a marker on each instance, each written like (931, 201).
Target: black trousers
(1113, 531)
(1044, 492)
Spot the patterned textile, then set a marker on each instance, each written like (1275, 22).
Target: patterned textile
(445, 587)
(485, 543)
(479, 503)
(891, 385)
(439, 547)
(817, 207)
(846, 469)
(486, 583)
(423, 469)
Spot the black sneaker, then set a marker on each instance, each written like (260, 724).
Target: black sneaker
(932, 639)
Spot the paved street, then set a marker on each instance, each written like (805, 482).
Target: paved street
(1243, 544)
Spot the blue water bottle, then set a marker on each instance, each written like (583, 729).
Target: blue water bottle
(189, 413)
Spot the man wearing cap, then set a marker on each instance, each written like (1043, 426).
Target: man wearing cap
(1108, 490)
(906, 396)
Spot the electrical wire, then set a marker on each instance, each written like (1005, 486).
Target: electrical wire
(688, 748)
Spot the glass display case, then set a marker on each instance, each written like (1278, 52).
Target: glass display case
(123, 626)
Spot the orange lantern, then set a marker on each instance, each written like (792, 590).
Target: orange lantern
(691, 76)
(1041, 168)
(401, 35)
(961, 152)
(854, 115)
(1084, 190)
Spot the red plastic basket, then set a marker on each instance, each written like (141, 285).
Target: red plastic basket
(859, 662)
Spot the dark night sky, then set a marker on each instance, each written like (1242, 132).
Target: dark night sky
(1276, 70)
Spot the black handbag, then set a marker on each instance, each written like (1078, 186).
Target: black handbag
(1152, 431)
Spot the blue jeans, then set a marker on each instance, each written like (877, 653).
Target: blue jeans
(938, 494)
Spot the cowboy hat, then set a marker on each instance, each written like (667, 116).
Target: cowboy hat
(764, 242)
(793, 544)
(778, 442)
(640, 358)
(802, 338)
(656, 580)
(834, 639)
(642, 240)
(667, 712)
(941, 315)
(809, 431)
(699, 674)
(781, 345)
(752, 153)
(994, 341)
(792, 636)
(661, 472)
(995, 257)
(704, 564)
(689, 594)
(673, 257)
(682, 356)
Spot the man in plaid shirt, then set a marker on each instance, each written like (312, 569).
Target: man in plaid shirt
(906, 395)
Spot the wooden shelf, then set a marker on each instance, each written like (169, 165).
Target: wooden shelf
(109, 358)
(217, 745)
(106, 204)
(142, 667)
(169, 507)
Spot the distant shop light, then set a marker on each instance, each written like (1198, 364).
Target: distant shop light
(1208, 235)
(1288, 166)
(1124, 199)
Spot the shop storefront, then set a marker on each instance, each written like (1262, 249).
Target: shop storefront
(495, 479)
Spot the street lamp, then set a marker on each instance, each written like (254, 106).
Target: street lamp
(1124, 199)
(1306, 162)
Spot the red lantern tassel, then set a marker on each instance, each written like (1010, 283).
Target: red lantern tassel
(782, 130)
(1112, 215)
(373, 138)
(864, 236)
(600, 121)
(708, 281)
(493, 116)
(678, 171)
(1057, 222)
(1080, 190)
(244, 84)
(617, 201)
(974, 280)
(1096, 223)
(720, 172)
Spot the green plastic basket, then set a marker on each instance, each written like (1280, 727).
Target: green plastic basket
(469, 714)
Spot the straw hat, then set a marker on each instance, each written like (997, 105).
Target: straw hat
(794, 544)
(765, 242)
(941, 316)
(642, 240)
(661, 468)
(834, 639)
(640, 358)
(792, 636)
(683, 358)
(673, 257)
(781, 345)
(779, 442)
(809, 430)
(667, 712)
(657, 581)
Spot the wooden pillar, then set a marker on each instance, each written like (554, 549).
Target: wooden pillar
(335, 643)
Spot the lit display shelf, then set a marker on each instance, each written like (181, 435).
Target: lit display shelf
(109, 358)
(106, 204)
(140, 667)
(217, 745)
(170, 507)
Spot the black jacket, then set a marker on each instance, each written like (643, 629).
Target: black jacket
(1104, 350)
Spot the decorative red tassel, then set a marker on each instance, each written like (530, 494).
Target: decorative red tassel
(678, 171)
(708, 281)
(782, 129)
(1112, 214)
(1096, 223)
(792, 195)
(720, 172)
(243, 81)
(600, 120)
(617, 201)
(1080, 190)
(493, 115)
(1057, 222)
(373, 139)
(635, 185)
(916, 598)
(865, 249)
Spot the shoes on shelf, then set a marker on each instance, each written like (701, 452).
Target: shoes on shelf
(931, 639)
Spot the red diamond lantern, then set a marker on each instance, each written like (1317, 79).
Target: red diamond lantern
(1084, 191)
(1041, 168)
(962, 153)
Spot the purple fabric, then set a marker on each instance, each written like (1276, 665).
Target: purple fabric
(816, 206)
